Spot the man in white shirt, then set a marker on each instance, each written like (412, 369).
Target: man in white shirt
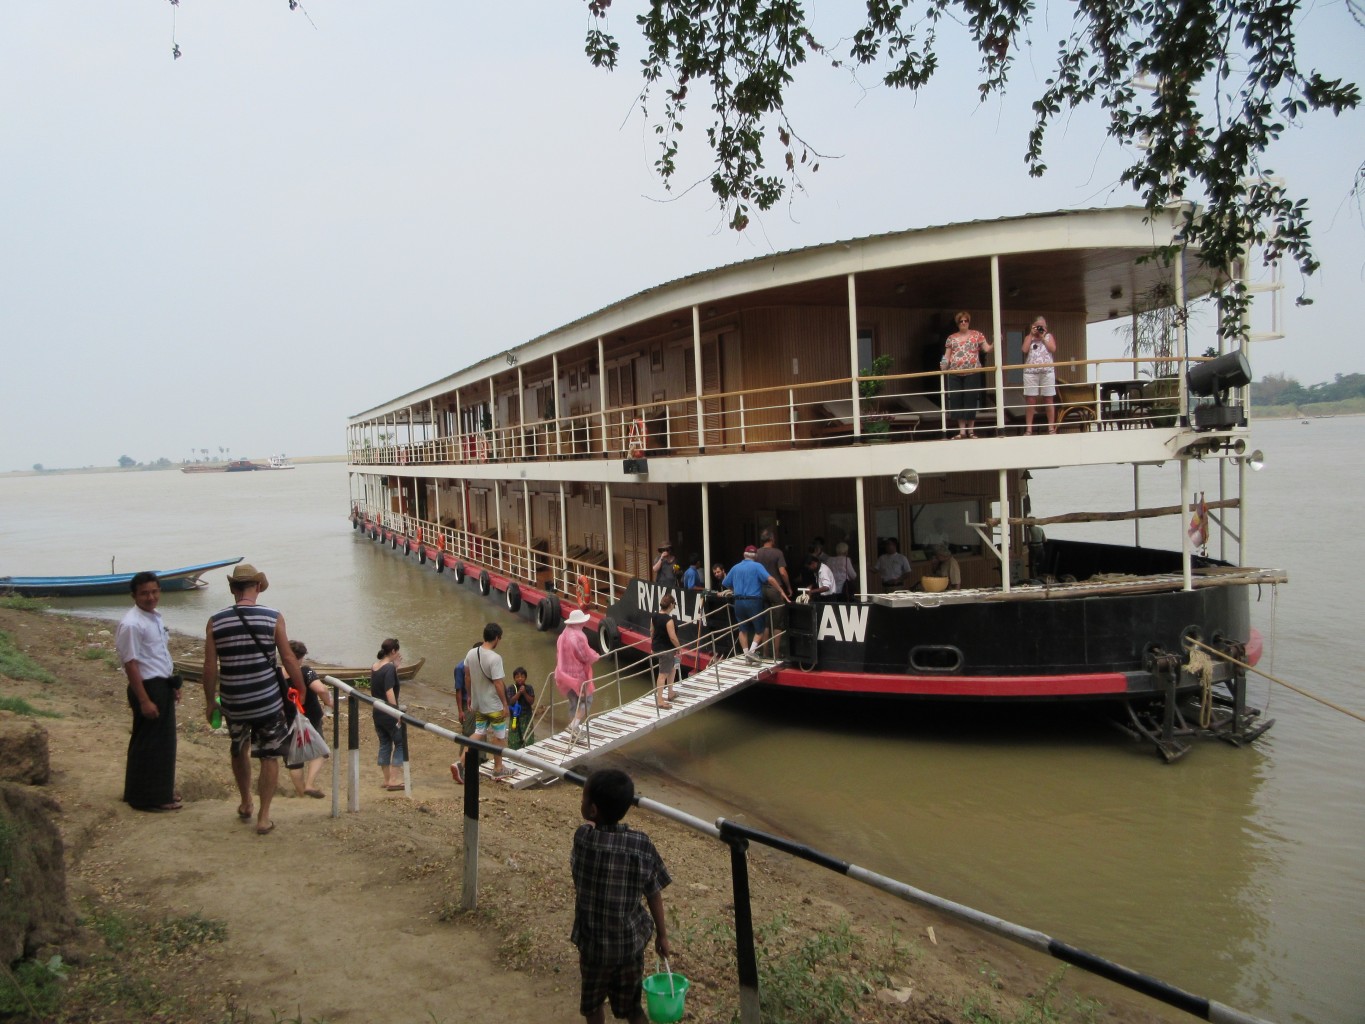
(153, 693)
(824, 579)
(892, 566)
(486, 679)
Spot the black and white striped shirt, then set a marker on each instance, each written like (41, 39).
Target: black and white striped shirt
(248, 684)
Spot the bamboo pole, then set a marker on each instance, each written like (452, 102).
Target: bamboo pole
(1106, 517)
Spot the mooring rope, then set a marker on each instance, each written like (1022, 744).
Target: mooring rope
(1201, 665)
(1290, 686)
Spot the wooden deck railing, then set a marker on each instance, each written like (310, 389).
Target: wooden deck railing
(906, 406)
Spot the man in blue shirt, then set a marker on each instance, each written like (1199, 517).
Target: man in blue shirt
(747, 580)
(693, 578)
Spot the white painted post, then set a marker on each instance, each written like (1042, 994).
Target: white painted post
(696, 370)
(862, 538)
(1004, 526)
(999, 372)
(853, 356)
(602, 390)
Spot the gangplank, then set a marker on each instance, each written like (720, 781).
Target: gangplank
(619, 726)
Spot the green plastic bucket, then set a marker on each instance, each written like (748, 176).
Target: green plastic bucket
(664, 995)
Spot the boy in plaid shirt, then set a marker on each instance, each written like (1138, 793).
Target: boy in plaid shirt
(616, 872)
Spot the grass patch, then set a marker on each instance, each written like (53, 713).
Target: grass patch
(1039, 1009)
(22, 707)
(18, 665)
(140, 970)
(19, 603)
(32, 990)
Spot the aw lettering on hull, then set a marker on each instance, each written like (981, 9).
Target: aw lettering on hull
(688, 605)
(843, 623)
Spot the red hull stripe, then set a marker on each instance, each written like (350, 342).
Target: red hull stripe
(891, 684)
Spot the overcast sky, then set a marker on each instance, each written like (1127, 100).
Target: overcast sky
(300, 219)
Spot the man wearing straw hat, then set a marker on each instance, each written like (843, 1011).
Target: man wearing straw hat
(241, 644)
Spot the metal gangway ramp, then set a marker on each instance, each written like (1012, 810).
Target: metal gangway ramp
(620, 725)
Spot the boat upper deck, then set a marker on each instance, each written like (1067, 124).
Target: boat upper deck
(819, 351)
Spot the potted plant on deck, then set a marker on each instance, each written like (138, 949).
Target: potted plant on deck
(875, 423)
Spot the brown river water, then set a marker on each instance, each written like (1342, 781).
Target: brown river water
(1238, 874)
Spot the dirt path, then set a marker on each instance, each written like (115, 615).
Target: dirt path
(356, 918)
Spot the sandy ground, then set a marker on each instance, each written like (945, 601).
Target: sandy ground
(357, 918)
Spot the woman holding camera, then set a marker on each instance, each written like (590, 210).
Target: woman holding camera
(1040, 380)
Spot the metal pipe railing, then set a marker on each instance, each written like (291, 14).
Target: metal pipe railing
(737, 837)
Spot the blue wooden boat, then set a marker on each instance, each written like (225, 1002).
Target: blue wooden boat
(186, 578)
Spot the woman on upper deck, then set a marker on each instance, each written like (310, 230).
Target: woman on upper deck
(1040, 380)
(962, 351)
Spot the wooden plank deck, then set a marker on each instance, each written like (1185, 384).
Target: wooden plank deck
(621, 725)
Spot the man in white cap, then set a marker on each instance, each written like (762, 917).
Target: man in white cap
(241, 645)
(747, 579)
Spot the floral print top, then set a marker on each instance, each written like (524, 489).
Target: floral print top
(963, 350)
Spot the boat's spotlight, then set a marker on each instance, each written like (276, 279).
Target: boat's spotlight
(1222, 374)
(1213, 380)
(907, 481)
(1255, 460)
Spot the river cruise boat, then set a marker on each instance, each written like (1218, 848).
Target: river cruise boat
(802, 394)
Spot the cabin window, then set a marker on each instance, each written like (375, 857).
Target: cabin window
(1014, 344)
(945, 522)
(865, 338)
(886, 524)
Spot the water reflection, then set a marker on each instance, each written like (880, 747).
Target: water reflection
(1236, 873)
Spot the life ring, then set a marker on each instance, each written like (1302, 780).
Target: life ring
(459, 572)
(513, 597)
(583, 591)
(635, 441)
(547, 613)
(485, 584)
(608, 635)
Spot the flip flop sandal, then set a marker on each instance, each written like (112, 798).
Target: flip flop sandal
(265, 831)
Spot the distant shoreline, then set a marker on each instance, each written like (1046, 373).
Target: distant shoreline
(299, 460)
(1265, 412)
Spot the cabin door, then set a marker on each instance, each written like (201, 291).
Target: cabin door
(636, 532)
(710, 385)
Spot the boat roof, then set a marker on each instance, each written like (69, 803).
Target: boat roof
(1076, 260)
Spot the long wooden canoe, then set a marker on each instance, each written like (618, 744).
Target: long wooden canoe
(191, 669)
(186, 578)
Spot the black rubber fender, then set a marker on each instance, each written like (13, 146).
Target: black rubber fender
(393, 541)
(407, 547)
(512, 595)
(440, 560)
(609, 636)
(421, 554)
(460, 571)
(485, 584)
(547, 613)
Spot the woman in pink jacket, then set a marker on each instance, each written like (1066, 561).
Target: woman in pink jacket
(573, 669)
